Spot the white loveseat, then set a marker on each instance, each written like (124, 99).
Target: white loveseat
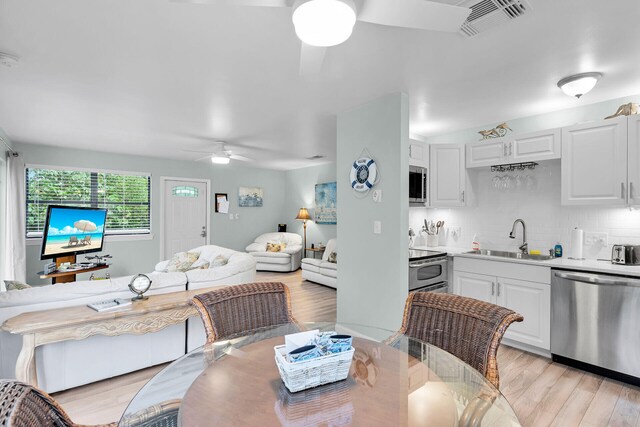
(285, 260)
(72, 363)
(240, 268)
(321, 270)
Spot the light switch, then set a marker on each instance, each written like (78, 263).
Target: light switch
(377, 196)
(237, 216)
(377, 227)
(231, 217)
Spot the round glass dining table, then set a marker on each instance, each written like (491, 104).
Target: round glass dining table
(394, 380)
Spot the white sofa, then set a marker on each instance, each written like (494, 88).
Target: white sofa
(69, 364)
(240, 268)
(320, 270)
(72, 363)
(286, 260)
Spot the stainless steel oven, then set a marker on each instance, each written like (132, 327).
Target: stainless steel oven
(417, 186)
(428, 273)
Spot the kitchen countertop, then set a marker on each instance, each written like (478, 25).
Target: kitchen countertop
(587, 265)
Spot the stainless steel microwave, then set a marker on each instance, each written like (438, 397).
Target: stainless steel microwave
(417, 186)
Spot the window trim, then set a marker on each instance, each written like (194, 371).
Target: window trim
(134, 233)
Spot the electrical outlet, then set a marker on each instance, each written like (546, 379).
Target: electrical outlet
(454, 232)
(237, 216)
(599, 239)
(231, 217)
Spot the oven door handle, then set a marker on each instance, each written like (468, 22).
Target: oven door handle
(417, 264)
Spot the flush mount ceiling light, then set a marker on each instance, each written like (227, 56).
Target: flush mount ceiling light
(220, 160)
(579, 84)
(324, 23)
(8, 60)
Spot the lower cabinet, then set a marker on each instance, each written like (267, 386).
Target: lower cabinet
(531, 299)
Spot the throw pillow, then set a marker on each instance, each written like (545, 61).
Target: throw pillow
(201, 263)
(15, 285)
(181, 261)
(276, 247)
(219, 261)
(333, 257)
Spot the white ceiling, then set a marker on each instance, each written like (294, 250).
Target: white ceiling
(154, 77)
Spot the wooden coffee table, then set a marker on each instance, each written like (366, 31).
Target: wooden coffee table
(79, 322)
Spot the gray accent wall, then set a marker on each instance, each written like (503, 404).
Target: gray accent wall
(300, 188)
(373, 278)
(133, 256)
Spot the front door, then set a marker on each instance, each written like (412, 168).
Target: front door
(185, 216)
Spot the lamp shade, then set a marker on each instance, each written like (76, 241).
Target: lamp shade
(303, 214)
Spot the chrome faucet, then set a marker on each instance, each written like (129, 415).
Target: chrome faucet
(525, 246)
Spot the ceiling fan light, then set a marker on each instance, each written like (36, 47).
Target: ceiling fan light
(324, 23)
(579, 84)
(220, 160)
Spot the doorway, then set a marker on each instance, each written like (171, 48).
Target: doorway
(184, 214)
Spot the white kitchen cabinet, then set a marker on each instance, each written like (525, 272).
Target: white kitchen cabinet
(473, 285)
(448, 175)
(533, 301)
(633, 145)
(522, 288)
(517, 148)
(486, 153)
(418, 154)
(594, 163)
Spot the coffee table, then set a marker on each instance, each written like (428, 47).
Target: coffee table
(394, 380)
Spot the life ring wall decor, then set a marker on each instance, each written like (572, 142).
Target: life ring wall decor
(363, 174)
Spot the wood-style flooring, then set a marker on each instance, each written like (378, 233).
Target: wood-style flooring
(541, 392)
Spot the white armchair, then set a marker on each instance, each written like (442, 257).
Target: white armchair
(321, 270)
(287, 259)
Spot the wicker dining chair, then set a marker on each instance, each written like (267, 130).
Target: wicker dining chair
(468, 328)
(236, 310)
(22, 405)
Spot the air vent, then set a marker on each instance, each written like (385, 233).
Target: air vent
(486, 14)
(316, 157)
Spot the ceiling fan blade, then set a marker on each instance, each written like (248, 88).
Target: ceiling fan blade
(419, 14)
(260, 3)
(196, 151)
(241, 158)
(311, 59)
(199, 159)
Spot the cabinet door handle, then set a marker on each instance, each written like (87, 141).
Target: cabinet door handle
(462, 196)
(493, 288)
(622, 190)
(510, 148)
(498, 288)
(631, 191)
(504, 149)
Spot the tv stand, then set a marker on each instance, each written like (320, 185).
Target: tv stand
(68, 276)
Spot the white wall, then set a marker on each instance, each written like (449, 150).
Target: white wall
(373, 278)
(491, 213)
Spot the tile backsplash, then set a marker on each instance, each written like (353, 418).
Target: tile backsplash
(534, 197)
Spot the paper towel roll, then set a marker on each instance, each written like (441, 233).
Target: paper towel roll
(577, 243)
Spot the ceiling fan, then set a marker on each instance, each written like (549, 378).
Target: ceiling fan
(324, 23)
(221, 155)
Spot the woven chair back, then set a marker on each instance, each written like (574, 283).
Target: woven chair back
(465, 327)
(236, 310)
(22, 405)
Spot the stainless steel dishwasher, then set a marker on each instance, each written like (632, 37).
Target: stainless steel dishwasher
(595, 323)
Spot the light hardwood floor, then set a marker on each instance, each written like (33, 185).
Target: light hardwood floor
(542, 393)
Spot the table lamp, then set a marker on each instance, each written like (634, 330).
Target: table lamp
(303, 214)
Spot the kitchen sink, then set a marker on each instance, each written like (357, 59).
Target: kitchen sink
(514, 255)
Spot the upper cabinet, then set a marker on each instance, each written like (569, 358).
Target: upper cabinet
(418, 153)
(633, 145)
(447, 173)
(518, 148)
(594, 163)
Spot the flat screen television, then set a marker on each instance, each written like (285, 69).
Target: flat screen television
(71, 230)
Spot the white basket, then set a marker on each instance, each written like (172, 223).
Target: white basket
(313, 372)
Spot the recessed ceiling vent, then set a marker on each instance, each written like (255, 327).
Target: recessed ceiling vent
(486, 14)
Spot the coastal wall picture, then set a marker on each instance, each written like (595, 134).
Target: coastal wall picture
(250, 197)
(325, 209)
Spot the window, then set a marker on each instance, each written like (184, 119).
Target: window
(126, 195)
(184, 191)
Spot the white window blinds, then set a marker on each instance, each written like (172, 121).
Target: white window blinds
(127, 196)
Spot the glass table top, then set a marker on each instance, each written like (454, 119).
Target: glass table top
(393, 380)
